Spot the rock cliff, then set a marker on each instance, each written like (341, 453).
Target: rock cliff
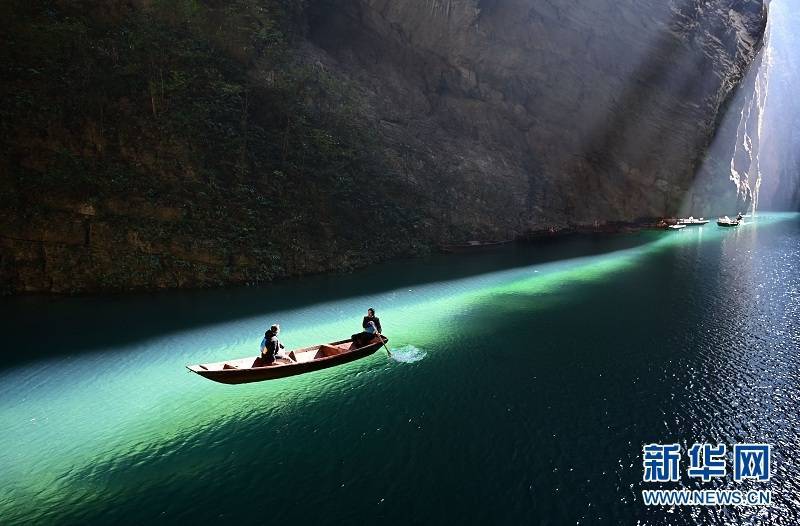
(151, 144)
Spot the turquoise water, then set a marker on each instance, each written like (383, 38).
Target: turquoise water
(522, 387)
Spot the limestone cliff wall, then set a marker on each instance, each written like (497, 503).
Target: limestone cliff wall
(546, 112)
(156, 145)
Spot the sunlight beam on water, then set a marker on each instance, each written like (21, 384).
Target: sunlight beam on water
(115, 404)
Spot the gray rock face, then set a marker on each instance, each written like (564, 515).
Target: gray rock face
(188, 144)
(521, 114)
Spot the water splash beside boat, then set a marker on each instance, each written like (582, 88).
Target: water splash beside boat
(408, 354)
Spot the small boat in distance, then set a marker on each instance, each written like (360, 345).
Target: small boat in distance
(305, 360)
(471, 246)
(691, 221)
(677, 227)
(727, 221)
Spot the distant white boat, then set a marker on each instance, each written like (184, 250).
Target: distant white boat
(691, 221)
(677, 227)
(727, 221)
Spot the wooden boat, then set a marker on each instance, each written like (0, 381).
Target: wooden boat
(314, 358)
(472, 246)
(727, 221)
(691, 221)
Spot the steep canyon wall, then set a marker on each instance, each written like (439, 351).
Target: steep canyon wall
(152, 144)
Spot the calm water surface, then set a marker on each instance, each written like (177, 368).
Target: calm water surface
(526, 382)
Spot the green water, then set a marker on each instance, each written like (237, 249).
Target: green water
(523, 387)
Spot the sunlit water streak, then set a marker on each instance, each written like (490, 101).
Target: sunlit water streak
(97, 436)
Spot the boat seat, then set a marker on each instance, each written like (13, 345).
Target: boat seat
(229, 366)
(328, 350)
(306, 356)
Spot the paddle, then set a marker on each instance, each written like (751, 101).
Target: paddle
(384, 344)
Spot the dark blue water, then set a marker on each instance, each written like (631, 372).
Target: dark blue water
(525, 384)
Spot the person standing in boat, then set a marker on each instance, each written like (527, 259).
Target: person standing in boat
(371, 318)
(271, 346)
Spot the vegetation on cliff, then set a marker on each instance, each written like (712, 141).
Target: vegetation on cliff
(179, 143)
(154, 143)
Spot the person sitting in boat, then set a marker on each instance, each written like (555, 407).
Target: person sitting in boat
(371, 318)
(271, 346)
(372, 327)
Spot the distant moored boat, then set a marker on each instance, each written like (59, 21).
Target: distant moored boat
(691, 221)
(727, 221)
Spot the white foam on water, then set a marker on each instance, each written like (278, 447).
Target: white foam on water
(408, 354)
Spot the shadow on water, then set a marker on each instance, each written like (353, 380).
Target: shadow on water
(546, 426)
(361, 444)
(554, 411)
(38, 327)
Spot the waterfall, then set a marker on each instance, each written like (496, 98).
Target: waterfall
(745, 162)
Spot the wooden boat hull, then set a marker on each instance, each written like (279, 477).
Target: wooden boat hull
(258, 373)
(727, 225)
